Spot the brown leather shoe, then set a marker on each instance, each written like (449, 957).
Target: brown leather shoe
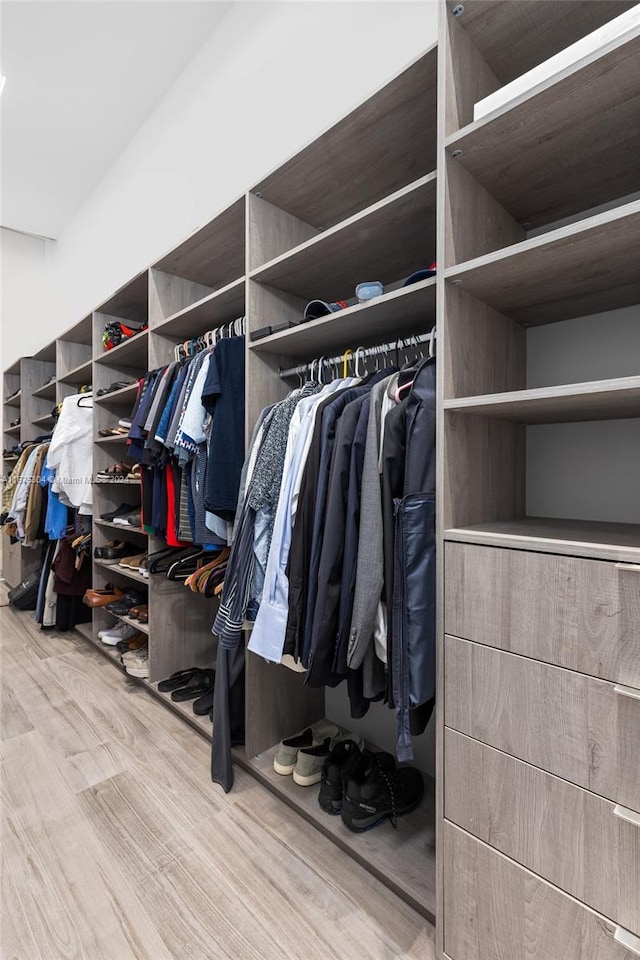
(99, 598)
(135, 612)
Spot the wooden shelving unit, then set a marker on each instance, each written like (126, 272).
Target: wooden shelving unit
(404, 179)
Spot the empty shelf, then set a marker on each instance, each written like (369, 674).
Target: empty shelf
(385, 242)
(596, 400)
(578, 538)
(217, 308)
(585, 268)
(542, 168)
(79, 375)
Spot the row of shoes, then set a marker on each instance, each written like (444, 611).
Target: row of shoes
(364, 787)
(132, 604)
(120, 430)
(132, 646)
(120, 471)
(123, 553)
(195, 683)
(124, 515)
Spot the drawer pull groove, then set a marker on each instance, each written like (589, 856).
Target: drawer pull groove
(626, 814)
(632, 692)
(628, 566)
(627, 940)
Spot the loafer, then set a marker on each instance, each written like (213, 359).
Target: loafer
(138, 610)
(121, 605)
(119, 511)
(100, 598)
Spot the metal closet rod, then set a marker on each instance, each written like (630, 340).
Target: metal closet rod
(363, 352)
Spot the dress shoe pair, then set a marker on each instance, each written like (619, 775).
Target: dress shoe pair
(100, 598)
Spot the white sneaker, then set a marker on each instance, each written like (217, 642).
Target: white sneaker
(122, 631)
(138, 664)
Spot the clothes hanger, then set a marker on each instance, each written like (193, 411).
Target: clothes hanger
(432, 343)
(345, 362)
(359, 356)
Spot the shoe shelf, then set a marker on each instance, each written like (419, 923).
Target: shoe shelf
(125, 395)
(130, 353)
(46, 392)
(121, 528)
(597, 400)
(46, 421)
(618, 542)
(541, 168)
(122, 438)
(142, 627)
(85, 629)
(122, 572)
(217, 308)
(111, 653)
(404, 859)
(183, 709)
(386, 242)
(13, 431)
(80, 375)
(573, 271)
(405, 311)
(13, 401)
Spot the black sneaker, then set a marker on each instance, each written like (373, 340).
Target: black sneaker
(376, 789)
(334, 772)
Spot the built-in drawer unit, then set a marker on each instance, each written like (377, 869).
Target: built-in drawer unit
(575, 613)
(579, 728)
(495, 909)
(588, 846)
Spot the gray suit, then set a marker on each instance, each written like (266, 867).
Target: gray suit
(370, 572)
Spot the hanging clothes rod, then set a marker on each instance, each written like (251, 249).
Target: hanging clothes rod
(364, 352)
(235, 328)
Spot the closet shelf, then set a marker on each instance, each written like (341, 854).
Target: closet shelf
(619, 542)
(47, 392)
(44, 421)
(513, 37)
(107, 440)
(78, 375)
(129, 353)
(13, 401)
(81, 332)
(386, 242)
(14, 431)
(593, 159)
(221, 306)
(115, 480)
(327, 180)
(404, 859)
(125, 395)
(577, 270)
(142, 627)
(596, 400)
(122, 572)
(121, 527)
(405, 311)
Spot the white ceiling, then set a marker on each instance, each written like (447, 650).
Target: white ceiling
(82, 76)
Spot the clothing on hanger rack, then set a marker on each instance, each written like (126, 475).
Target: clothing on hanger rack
(301, 539)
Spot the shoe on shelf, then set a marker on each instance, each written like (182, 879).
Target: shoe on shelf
(202, 684)
(133, 562)
(376, 790)
(119, 511)
(203, 705)
(140, 613)
(125, 424)
(117, 471)
(100, 598)
(286, 756)
(335, 770)
(124, 603)
(121, 631)
(116, 385)
(180, 679)
(137, 664)
(115, 551)
(135, 643)
(133, 519)
(112, 432)
(309, 764)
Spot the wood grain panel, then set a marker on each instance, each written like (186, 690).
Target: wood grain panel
(567, 835)
(168, 294)
(497, 910)
(575, 613)
(541, 168)
(573, 726)
(468, 76)
(272, 231)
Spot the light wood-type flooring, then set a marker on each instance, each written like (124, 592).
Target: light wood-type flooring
(116, 846)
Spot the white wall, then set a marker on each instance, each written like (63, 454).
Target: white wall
(25, 284)
(270, 78)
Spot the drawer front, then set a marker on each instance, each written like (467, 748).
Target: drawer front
(582, 729)
(497, 910)
(580, 614)
(578, 841)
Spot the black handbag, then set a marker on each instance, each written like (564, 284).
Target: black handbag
(25, 595)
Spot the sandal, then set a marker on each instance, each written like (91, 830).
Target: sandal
(179, 679)
(202, 685)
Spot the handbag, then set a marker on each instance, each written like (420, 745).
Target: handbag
(25, 595)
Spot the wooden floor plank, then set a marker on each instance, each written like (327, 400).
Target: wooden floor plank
(117, 846)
